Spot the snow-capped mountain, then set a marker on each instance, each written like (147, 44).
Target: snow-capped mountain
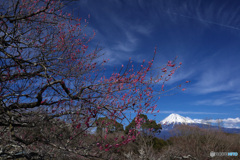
(173, 119)
(176, 119)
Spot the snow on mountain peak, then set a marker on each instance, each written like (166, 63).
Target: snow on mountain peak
(176, 119)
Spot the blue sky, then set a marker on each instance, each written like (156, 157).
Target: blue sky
(205, 35)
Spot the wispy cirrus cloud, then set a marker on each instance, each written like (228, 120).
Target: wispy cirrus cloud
(216, 81)
(225, 15)
(199, 32)
(121, 35)
(211, 102)
(218, 72)
(226, 100)
(187, 112)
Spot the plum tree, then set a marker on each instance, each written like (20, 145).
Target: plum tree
(52, 88)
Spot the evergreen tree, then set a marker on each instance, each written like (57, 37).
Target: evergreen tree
(147, 126)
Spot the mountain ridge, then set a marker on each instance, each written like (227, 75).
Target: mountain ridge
(176, 119)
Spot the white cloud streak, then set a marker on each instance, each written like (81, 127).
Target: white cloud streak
(188, 112)
(227, 122)
(226, 100)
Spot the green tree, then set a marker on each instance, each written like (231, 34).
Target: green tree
(147, 126)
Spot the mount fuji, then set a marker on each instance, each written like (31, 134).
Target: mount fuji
(175, 119)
